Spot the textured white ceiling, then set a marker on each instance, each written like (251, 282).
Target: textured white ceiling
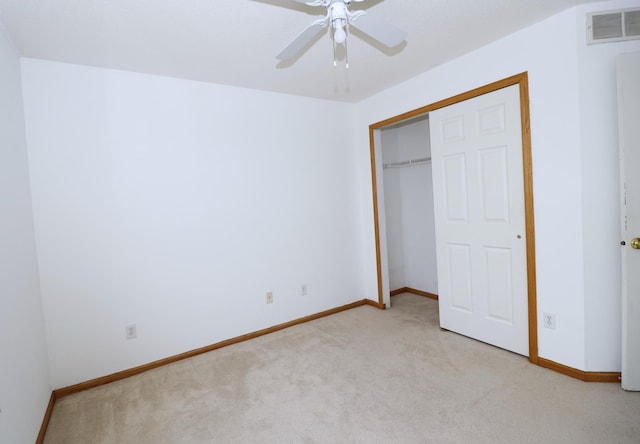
(234, 42)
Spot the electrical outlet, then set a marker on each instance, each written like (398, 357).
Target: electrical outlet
(131, 331)
(549, 320)
(270, 297)
(303, 290)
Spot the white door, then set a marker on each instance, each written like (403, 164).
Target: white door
(476, 150)
(629, 123)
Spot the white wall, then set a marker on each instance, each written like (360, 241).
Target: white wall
(25, 386)
(177, 205)
(601, 190)
(409, 208)
(549, 51)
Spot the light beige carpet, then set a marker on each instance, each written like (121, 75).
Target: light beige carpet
(361, 376)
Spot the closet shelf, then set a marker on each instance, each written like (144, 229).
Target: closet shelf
(407, 163)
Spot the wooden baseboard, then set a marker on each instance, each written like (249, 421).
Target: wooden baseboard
(46, 419)
(66, 391)
(375, 304)
(579, 374)
(414, 291)
(551, 365)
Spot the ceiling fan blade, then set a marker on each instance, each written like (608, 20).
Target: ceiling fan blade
(312, 2)
(383, 32)
(304, 38)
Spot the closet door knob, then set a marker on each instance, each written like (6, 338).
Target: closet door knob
(635, 243)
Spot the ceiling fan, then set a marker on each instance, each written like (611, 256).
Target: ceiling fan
(339, 18)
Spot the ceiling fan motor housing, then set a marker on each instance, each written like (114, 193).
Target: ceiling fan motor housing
(338, 14)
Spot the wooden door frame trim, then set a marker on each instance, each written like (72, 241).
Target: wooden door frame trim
(522, 80)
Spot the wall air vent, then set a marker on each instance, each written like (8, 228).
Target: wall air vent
(613, 26)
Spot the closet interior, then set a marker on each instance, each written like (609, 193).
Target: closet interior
(408, 203)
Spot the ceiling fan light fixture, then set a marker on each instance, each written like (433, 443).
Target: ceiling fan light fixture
(339, 19)
(340, 35)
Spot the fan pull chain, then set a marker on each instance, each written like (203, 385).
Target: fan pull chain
(346, 53)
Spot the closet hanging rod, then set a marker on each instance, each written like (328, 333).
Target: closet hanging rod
(407, 163)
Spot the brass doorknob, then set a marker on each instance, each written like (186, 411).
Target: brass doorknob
(635, 243)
